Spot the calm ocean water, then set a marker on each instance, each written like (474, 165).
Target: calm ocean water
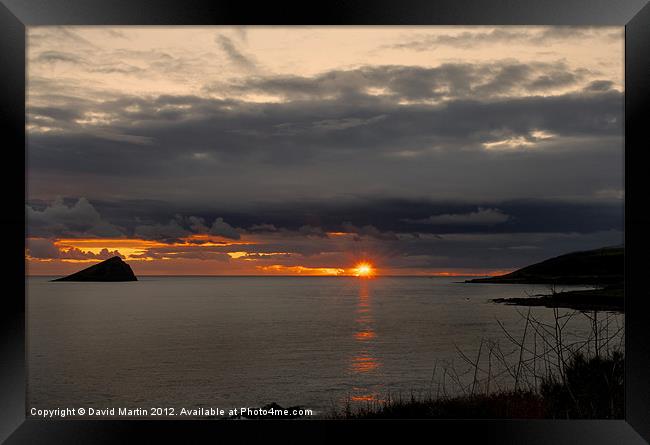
(247, 341)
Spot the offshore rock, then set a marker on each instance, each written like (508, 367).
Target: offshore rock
(112, 269)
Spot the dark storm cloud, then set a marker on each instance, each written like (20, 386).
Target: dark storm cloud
(375, 218)
(192, 130)
(80, 218)
(383, 218)
(480, 217)
(395, 233)
(181, 227)
(335, 109)
(368, 231)
(505, 251)
(221, 228)
(448, 80)
(212, 160)
(60, 220)
(450, 251)
(170, 231)
(232, 168)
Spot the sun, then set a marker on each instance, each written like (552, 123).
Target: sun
(364, 270)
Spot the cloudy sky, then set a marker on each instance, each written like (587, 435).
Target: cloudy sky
(304, 150)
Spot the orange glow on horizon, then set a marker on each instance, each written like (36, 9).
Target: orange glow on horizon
(140, 244)
(364, 270)
(108, 243)
(339, 233)
(135, 250)
(302, 270)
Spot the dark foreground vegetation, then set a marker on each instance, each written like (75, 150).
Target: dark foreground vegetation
(593, 389)
(550, 377)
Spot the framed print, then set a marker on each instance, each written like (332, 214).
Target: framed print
(428, 214)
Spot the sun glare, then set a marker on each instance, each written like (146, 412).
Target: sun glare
(363, 270)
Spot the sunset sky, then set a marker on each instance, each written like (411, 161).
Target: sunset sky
(307, 150)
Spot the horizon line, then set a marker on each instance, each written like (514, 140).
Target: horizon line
(286, 276)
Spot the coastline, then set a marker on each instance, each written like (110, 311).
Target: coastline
(605, 299)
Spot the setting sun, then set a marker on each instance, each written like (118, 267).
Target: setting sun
(364, 270)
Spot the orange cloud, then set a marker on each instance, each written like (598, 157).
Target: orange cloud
(301, 270)
(205, 254)
(136, 249)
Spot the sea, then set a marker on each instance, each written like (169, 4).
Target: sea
(321, 343)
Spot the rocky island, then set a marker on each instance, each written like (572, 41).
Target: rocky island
(112, 269)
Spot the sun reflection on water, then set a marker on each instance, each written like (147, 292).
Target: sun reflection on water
(364, 362)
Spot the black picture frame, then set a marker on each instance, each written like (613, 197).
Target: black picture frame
(15, 15)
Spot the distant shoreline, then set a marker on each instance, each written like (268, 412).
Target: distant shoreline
(606, 299)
